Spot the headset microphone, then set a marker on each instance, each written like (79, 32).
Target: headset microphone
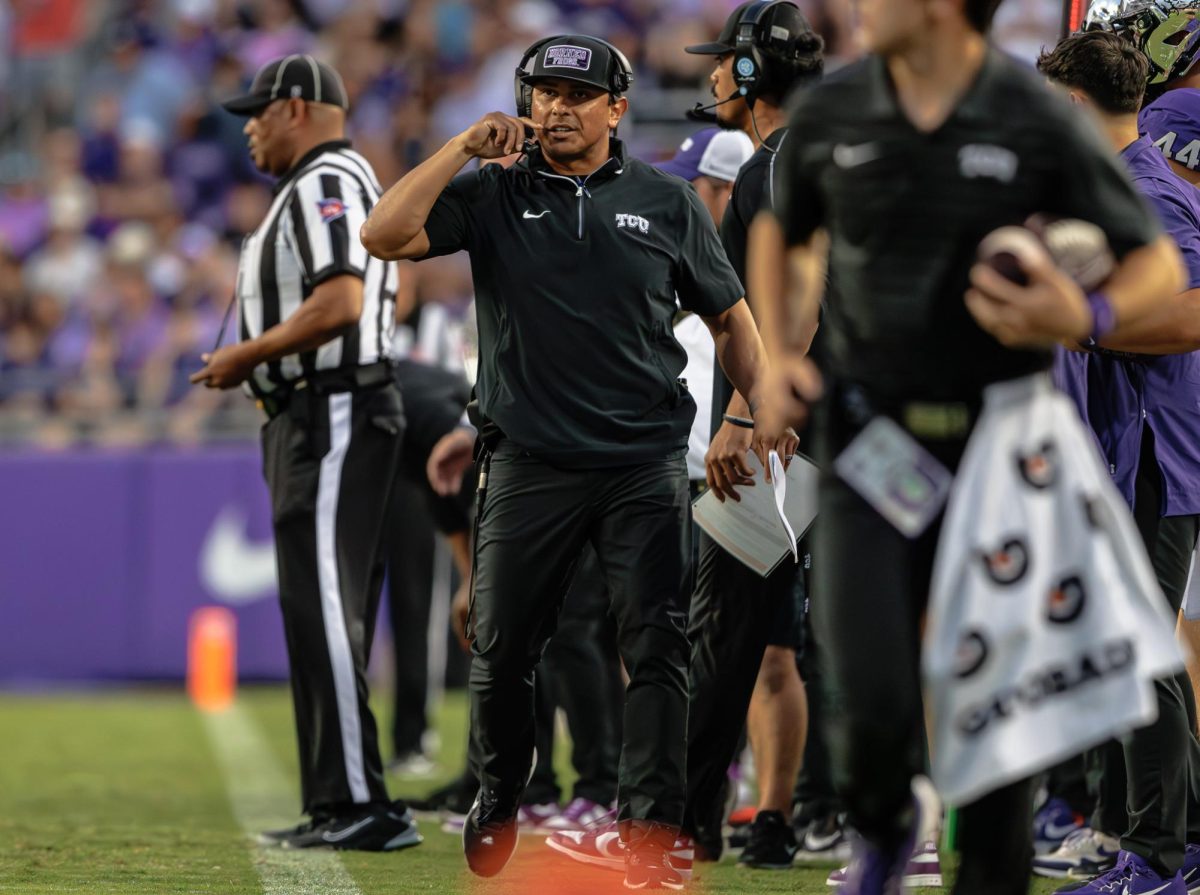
(704, 114)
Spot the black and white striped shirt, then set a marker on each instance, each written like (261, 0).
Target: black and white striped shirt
(310, 234)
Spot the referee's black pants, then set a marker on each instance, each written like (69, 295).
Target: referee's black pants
(329, 461)
(534, 521)
(1149, 784)
(873, 586)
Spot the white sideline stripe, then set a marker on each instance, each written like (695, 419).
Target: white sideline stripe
(261, 798)
(329, 484)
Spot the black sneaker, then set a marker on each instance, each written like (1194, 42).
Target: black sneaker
(772, 842)
(648, 857)
(489, 834)
(453, 798)
(277, 837)
(377, 829)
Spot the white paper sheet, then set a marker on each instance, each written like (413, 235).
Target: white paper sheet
(762, 528)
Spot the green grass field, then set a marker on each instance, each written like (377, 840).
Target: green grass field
(136, 793)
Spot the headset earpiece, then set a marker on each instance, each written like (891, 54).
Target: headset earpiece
(753, 73)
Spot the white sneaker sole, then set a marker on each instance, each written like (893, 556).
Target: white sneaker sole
(407, 839)
(1052, 872)
(676, 887)
(604, 861)
(923, 881)
(615, 864)
(664, 885)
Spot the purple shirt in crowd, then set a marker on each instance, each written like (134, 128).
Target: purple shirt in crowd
(1118, 395)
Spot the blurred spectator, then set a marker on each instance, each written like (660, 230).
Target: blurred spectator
(69, 262)
(125, 189)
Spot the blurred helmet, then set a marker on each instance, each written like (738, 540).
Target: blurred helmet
(1100, 15)
(1166, 31)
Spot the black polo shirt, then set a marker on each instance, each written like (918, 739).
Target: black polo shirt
(906, 212)
(751, 193)
(575, 288)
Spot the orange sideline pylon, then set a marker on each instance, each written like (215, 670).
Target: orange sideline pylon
(212, 658)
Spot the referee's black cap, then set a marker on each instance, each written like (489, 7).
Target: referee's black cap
(298, 76)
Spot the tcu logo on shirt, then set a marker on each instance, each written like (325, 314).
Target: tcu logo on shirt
(633, 222)
(986, 160)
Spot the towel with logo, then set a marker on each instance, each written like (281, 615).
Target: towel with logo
(1046, 624)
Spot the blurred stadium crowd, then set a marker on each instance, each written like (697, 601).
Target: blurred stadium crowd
(125, 189)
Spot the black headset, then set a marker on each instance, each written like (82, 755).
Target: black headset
(620, 73)
(753, 73)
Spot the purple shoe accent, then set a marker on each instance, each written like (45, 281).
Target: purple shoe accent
(1052, 824)
(1144, 880)
(1191, 869)
(870, 872)
(531, 818)
(579, 814)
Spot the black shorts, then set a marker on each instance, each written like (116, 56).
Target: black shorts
(788, 628)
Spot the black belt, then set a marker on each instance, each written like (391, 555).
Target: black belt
(328, 382)
(932, 420)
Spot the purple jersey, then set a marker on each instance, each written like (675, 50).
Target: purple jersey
(1118, 395)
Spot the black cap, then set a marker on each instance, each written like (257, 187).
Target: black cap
(302, 77)
(574, 57)
(786, 22)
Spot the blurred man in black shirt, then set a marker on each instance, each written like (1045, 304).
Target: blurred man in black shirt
(907, 161)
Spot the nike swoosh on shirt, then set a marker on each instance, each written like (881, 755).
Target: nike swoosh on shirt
(529, 216)
(846, 156)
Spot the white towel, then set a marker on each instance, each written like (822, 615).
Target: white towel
(1046, 624)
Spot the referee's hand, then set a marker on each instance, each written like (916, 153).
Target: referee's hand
(226, 367)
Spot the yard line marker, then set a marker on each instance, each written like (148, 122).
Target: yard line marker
(262, 798)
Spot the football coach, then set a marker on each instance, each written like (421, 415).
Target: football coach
(579, 254)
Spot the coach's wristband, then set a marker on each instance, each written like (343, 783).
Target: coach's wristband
(1103, 318)
(738, 421)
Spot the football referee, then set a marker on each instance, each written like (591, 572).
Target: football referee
(578, 253)
(315, 324)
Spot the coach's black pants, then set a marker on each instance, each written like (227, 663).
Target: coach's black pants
(581, 674)
(873, 586)
(735, 614)
(534, 521)
(329, 463)
(1150, 783)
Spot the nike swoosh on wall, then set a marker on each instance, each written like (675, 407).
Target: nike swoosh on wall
(233, 568)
